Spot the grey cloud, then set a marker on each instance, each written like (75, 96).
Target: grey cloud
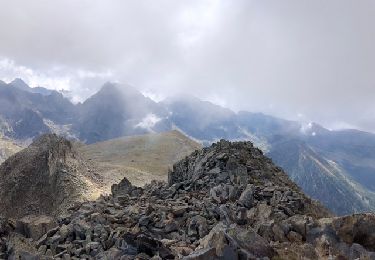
(286, 58)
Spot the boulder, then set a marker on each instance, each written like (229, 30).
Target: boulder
(246, 199)
(197, 227)
(125, 188)
(237, 242)
(223, 192)
(19, 247)
(202, 254)
(250, 241)
(35, 227)
(358, 228)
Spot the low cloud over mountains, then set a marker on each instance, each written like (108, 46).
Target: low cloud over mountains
(311, 60)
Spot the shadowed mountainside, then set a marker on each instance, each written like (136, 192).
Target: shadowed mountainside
(46, 178)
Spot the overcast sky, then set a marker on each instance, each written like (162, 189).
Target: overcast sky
(308, 60)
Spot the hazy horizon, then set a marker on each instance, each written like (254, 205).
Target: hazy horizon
(305, 124)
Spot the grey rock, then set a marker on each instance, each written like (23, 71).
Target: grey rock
(202, 254)
(35, 226)
(246, 199)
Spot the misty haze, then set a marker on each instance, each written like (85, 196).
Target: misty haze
(187, 129)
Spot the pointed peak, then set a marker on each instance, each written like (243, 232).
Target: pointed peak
(18, 80)
(20, 84)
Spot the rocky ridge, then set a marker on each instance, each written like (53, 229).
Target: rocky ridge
(227, 201)
(45, 178)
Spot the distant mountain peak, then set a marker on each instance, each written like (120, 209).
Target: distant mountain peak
(18, 81)
(20, 84)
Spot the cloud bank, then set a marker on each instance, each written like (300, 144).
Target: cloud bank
(307, 60)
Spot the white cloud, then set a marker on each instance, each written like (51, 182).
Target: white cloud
(157, 97)
(57, 78)
(148, 122)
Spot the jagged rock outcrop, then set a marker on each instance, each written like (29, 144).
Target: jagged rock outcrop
(227, 201)
(45, 178)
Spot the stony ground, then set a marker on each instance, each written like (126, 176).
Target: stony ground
(223, 202)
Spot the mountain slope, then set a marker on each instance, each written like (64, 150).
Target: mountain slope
(115, 112)
(139, 158)
(8, 148)
(353, 150)
(25, 113)
(202, 120)
(321, 178)
(45, 178)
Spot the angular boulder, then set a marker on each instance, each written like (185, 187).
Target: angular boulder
(35, 226)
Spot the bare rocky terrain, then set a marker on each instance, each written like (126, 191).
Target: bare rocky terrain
(227, 201)
(46, 178)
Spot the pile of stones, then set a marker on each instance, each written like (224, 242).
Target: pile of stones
(227, 201)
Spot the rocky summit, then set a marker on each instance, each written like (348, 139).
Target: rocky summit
(227, 201)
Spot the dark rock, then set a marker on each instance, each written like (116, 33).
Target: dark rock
(144, 221)
(250, 241)
(35, 226)
(246, 199)
(202, 254)
(356, 229)
(125, 188)
(197, 227)
(171, 227)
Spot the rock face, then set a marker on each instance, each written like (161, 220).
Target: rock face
(223, 202)
(45, 178)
